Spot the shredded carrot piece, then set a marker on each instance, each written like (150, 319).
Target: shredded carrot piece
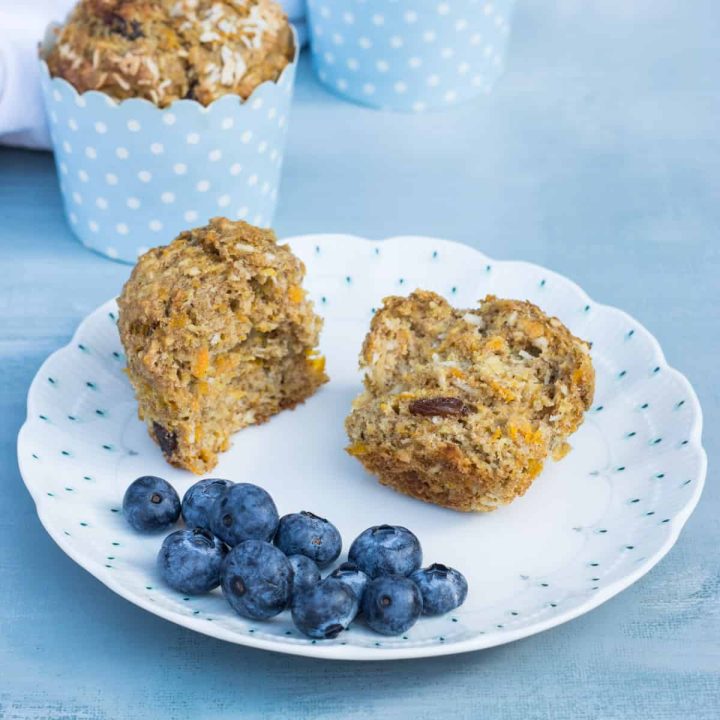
(503, 392)
(357, 449)
(317, 363)
(534, 468)
(496, 343)
(296, 294)
(202, 360)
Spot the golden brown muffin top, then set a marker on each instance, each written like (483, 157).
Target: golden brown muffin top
(505, 360)
(216, 284)
(165, 50)
(505, 354)
(462, 406)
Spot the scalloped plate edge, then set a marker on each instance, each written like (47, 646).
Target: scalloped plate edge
(480, 642)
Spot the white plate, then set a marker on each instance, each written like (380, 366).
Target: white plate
(588, 527)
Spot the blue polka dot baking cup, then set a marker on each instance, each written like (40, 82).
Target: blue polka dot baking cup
(407, 55)
(134, 175)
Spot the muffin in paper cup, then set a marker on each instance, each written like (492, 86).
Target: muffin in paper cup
(134, 175)
(409, 56)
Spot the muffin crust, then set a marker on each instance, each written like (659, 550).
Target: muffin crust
(461, 408)
(165, 50)
(218, 334)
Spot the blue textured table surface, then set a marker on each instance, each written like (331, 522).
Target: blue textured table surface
(598, 155)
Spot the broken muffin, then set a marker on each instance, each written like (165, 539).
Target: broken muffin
(461, 408)
(218, 334)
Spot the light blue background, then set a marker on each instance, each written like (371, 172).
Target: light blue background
(598, 155)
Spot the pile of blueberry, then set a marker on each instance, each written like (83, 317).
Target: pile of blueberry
(265, 564)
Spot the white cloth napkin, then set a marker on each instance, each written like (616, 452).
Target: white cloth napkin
(22, 118)
(22, 25)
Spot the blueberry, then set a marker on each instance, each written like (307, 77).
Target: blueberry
(189, 561)
(325, 610)
(306, 534)
(442, 588)
(306, 573)
(244, 512)
(151, 503)
(199, 498)
(386, 550)
(256, 579)
(350, 574)
(392, 604)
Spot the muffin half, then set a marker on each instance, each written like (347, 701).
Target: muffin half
(461, 408)
(218, 334)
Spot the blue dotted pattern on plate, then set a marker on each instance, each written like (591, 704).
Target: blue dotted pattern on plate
(409, 56)
(134, 175)
(645, 463)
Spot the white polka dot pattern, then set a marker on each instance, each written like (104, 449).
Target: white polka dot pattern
(388, 56)
(134, 175)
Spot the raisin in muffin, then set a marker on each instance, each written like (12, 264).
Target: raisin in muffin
(462, 407)
(218, 334)
(164, 50)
